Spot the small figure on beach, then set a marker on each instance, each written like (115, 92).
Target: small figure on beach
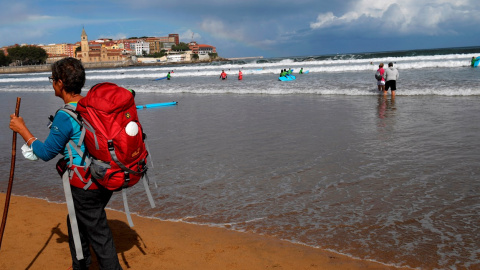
(223, 75)
(68, 78)
(381, 81)
(240, 75)
(391, 77)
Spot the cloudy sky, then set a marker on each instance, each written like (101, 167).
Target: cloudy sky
(251, 27)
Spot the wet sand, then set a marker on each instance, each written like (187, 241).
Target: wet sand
(36, 238)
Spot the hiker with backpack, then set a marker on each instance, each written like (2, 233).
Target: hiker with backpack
(88, 224)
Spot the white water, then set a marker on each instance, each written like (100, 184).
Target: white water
(419, 75)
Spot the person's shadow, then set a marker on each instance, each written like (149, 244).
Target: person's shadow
(124, 236)
(62, 238)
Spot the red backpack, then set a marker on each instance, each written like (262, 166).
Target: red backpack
(114, 137)
(116, 155)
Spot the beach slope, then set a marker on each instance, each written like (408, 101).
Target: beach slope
(36, 238)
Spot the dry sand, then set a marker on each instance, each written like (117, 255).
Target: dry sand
(36, 238)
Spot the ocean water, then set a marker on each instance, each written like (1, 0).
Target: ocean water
(322, 161)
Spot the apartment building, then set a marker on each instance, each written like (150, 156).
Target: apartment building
(108, 50)
(140, 47)
(55, 50)
(201, 49)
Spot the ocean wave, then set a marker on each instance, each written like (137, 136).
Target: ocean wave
(315, 91)
(277, 89)
(346, 74)
(325, 65)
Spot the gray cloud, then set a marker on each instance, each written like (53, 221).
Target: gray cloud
(404, 16)
(249, 27)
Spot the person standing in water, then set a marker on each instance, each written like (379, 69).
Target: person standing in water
(381, 82)
(223, 75)
(391, 77)
(240, 75)
(168, 76)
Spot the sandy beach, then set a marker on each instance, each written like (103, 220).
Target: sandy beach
(36, 238)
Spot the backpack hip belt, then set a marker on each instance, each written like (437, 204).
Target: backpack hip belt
(80, 178)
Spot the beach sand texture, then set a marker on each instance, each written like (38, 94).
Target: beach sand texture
(36, 238)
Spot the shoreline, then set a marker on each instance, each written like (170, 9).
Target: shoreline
(35, 237)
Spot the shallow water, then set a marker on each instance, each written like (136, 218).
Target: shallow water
(395, 181)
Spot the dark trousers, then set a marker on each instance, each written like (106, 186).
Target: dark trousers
(94, 229)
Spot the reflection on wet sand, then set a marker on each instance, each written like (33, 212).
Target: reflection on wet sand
(386, 107)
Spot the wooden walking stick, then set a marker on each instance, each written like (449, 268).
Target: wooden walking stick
(10, 181)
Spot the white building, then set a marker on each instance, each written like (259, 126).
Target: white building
(175, 57)
(141, 47)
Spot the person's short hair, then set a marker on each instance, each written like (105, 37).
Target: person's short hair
(71, 72)
(381, 65)
(390, 64)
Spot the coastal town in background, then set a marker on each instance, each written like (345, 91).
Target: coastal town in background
(106, 52)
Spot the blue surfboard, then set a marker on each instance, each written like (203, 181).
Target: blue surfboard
(287, 78)
(153, 105)
(477, 61)
(160, 78)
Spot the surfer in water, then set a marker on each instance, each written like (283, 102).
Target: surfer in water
(168, 76)
(223, 76)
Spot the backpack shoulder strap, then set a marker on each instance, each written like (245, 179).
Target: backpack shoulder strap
(70, 110)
